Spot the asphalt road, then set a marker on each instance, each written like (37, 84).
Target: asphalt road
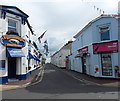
(55, 83)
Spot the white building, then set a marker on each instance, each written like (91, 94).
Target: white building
(13, 46)
(95, 51)
(59, 58)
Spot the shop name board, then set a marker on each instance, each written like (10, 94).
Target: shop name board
(12, 41)
(15, 51)
(105, 47)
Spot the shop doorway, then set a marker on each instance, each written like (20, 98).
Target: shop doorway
(11, 67)
(84, 64)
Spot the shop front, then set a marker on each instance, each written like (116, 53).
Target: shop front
(83, 53)
(108, 52)
(14, 44)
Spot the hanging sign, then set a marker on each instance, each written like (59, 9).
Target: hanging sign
(13, 41)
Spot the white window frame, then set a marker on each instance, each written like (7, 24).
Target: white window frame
(18, 23)
(12, 26)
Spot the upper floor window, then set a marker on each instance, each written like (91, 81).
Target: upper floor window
(104, 33)
(12, 25)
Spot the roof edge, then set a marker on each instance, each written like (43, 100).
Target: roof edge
(94, 20)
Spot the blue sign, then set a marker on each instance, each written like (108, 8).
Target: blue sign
(14, 52)
(2, 64)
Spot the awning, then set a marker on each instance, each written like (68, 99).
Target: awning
(14, 52)
(36, 58)
(30, 56)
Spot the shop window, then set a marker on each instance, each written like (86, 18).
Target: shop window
(104, 33)
(106, 64)
(12, 25)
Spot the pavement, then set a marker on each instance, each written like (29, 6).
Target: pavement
(96, 80)
(76, 75)
(21, 83)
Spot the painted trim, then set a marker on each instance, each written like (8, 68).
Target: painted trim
(3, 80)
(25, 76)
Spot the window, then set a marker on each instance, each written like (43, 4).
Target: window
(12, 25)
(106, 64)
(104, 33)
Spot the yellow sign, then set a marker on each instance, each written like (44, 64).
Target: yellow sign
(13, 37)
(13, 41)
(13, 45)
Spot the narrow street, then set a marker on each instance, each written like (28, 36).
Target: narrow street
(56, 83)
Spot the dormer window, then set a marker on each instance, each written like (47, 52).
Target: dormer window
(104, 32)
(12, 25)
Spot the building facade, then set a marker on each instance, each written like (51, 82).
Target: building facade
(14, 48)
(60, 57)
(95, 50)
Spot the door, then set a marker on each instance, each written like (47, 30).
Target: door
(11, 67)
(84, 64)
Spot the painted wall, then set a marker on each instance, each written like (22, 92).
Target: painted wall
(21, 62)
(89, 36)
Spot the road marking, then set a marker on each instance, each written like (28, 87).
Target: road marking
(41, 77)
(38, 75)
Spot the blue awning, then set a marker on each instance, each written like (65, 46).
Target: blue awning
(14, 52)
(30, 56)
(36, 58)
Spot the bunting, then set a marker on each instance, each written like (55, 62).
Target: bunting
(98, 9)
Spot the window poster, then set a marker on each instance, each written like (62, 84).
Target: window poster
(106, 64)
(2, 64)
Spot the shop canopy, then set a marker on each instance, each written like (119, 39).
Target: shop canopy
(14, 52)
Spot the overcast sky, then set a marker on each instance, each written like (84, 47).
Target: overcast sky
(61, 18)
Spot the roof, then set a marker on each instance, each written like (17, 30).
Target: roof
(13, 10)
(90, 23)
(67, 45)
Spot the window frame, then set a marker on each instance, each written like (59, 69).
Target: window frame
(16, 27)
(18, 20)
(106, 28)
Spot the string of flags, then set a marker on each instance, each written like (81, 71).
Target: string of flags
(98, 9)
(45, 46)
(95, 7)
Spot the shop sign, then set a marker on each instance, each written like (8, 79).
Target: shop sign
(2, 64)
(13, 41)
(83, 50)
(105, 47)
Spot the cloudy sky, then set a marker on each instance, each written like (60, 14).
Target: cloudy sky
(61, 18)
